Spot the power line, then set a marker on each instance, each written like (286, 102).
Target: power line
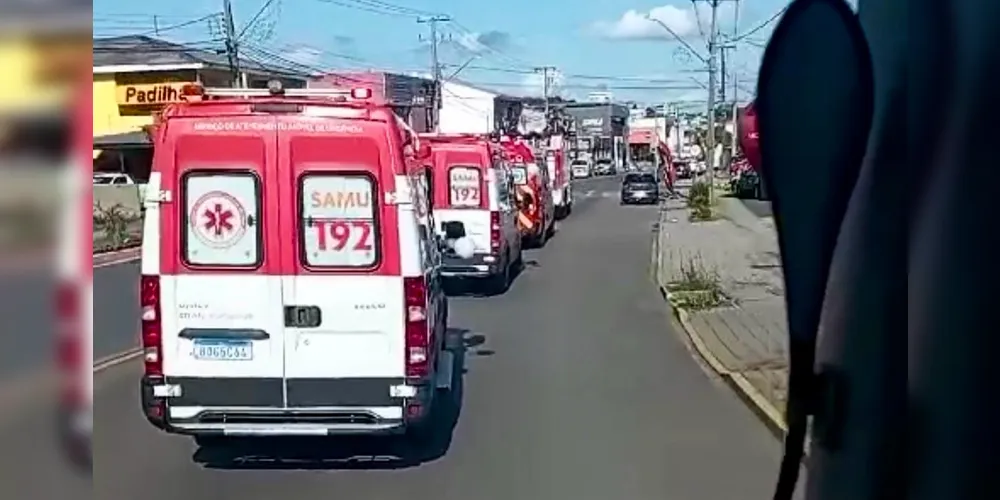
(151, 26)
(158, 30)
(500, 54)
(391, 9)
(594, 87)
(378, 7)
(307, 67)
(638, 79)
(254, 19)
(760, 26)
(202, 45)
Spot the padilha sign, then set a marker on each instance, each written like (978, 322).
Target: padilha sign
(150, 94)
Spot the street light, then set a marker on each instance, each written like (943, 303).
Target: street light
(677, 37)
(710, 64)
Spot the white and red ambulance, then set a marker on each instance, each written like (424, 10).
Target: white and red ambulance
(290, 276)
(474, 209)
(75, 292)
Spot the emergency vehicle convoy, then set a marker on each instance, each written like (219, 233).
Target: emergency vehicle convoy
(294, 249)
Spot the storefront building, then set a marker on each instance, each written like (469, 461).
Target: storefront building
(136, 76)
(600, 130)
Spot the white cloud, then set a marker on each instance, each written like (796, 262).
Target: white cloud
(635, 25)
(470, 42)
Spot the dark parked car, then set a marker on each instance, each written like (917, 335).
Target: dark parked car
(640, 188)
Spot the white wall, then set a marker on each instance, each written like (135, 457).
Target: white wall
(465, 110)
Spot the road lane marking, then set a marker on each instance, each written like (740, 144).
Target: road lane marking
(117, 257)
(124, 260)
(117, 359)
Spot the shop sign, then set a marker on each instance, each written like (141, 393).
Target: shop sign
(147, 94)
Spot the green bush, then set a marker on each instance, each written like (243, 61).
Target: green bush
(698, 286)
(700, 201)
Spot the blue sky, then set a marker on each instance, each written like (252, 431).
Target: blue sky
(586, 40)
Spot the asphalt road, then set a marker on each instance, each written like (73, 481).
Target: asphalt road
(575, 386)
(116, 306)
(26, 308)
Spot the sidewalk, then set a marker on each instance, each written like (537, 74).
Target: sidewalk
(745, 340)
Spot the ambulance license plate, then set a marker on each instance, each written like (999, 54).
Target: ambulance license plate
(223, 350)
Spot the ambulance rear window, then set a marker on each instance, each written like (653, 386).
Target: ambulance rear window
(221, 218)
(463, 186)
(338, 223)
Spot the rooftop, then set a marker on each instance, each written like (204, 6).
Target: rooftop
(141, 50)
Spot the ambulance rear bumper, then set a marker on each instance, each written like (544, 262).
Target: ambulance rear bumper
(477, 266)
(382, 418)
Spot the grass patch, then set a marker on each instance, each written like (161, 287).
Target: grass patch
(701, 203)
(698, 286)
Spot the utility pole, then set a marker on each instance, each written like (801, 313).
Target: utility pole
(432, 22)
(713, 38)
(736, 82)
(722, 72)
(678, 140)
(545, 71)
(232, 45)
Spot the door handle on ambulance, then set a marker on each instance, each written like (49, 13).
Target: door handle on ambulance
(224, 333)
(303, 316)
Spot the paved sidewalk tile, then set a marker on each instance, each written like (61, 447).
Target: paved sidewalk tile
(750, 336)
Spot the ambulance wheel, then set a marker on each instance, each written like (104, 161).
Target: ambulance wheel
(424, 432)
(499, 282)
(551, 231)
(544, 237)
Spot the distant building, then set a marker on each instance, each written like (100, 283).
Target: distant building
(601, 130)
(412, 97)
(470, 109)
(600, 97)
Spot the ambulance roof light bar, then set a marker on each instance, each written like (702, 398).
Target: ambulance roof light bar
(276, 89)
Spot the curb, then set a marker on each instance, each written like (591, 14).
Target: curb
(771, 415)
